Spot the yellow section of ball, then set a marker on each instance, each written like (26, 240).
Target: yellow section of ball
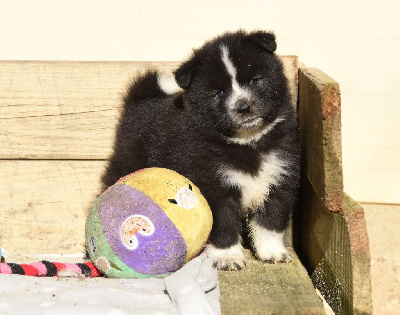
(181, 200)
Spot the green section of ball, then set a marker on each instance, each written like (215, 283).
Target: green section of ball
(101, 253)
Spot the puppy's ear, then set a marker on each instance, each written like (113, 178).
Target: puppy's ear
(264, 39)
(184, 74)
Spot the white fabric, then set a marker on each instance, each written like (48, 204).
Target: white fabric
(190, 290)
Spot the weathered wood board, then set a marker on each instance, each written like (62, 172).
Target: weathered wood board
(43, 205)
(268, 289)
(68, 110)
(320, 119)
(63, 110)
(334, 240)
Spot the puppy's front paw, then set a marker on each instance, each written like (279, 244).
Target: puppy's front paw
(269, 245)
(231, 258)
(273, 256)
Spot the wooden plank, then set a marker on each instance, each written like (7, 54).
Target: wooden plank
(334, 240)
(291, 67)
(268, 289)
(360, 255)
(43, 205)
(62, 110)
(68, 110)
(320, 123)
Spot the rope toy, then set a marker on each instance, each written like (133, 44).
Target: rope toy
(46, 268)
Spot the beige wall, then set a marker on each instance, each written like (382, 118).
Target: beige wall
(355, 42)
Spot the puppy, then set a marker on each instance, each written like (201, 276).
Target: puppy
(229, 127)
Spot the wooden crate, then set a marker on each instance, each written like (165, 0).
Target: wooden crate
(57, 123)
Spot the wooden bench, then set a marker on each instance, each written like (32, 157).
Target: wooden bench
(57, 123)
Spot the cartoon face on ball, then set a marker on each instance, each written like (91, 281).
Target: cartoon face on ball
(133, 225)
(185, 198)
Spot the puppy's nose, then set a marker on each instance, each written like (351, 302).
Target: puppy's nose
(243, 108)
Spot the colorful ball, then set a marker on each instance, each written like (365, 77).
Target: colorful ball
(148, 224)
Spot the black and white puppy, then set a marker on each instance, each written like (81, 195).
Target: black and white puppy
(230, 128)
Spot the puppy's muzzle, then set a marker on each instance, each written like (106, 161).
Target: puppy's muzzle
(245, 116)
(243, 108)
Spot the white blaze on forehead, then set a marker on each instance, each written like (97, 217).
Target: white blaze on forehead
(230, 68)
(238, 91)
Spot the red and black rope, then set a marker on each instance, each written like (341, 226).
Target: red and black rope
(46, 268)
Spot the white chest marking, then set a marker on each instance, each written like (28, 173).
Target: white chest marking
(255, 189)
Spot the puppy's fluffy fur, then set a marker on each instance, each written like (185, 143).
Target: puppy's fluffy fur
(229, 127)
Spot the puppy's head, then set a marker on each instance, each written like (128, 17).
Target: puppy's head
(237, 82)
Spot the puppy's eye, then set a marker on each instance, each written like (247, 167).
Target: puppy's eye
(254, 81)
(220, 93)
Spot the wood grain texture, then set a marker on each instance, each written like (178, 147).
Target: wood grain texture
(63, 110)
(68, 110)
(334, 240)
(268, 289)
(44, 203)
(360, 255)
(320, 123)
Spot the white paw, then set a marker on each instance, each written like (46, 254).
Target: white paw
(268, 245)
(231, 258)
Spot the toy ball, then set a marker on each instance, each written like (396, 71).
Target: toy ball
(148, 224)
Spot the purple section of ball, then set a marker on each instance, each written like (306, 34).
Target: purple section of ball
(162, 252)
